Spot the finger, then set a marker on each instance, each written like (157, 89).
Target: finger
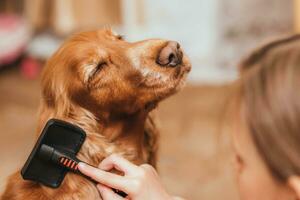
(106, 178)
(108, 193)
(294, 182)
(118, 162)
(148, 167)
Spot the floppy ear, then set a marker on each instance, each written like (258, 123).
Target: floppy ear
(54, 102)
(55, 87)
(294, 184)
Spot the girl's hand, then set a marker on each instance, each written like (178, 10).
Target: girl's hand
(139, 182)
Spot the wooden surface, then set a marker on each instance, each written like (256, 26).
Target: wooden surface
(193, 158)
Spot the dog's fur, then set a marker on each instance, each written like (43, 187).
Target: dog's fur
(107, 86)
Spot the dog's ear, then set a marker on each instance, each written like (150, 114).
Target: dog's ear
(55, 84)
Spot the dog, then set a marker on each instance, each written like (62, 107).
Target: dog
(108, 87)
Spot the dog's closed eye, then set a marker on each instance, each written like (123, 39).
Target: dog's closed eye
(96, 68)
(99, 67)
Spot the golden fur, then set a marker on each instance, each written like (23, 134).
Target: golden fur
(107, 86)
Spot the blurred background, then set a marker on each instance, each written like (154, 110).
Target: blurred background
(194, 161)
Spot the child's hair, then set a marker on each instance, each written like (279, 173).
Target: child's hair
(269, 97)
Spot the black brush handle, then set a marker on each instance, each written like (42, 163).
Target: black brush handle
(64, 159)
(67, 160)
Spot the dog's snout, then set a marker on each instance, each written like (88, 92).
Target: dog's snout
(170, 55)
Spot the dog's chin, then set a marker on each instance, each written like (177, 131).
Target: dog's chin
(163, 90)
(179, 79)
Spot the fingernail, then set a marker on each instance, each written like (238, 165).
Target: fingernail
(81, 165)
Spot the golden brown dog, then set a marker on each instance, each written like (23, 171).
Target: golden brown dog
(107, 86)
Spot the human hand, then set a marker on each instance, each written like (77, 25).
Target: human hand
(139, 182)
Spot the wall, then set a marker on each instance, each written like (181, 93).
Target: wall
(214, 33)
(245, 24)
(192, 23)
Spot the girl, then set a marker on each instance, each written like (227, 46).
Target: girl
(266, 136)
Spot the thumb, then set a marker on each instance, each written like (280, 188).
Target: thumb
(294, 183)
(107, 193)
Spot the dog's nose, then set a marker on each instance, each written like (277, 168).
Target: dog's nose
(170, 55)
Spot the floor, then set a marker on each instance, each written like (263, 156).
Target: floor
(194, 154)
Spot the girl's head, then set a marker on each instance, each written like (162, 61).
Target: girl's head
(267, 133)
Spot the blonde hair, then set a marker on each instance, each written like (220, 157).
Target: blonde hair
(268, 92)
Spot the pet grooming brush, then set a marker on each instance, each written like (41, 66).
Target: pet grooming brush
(54, 154)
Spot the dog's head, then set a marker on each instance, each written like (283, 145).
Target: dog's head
(101, 71)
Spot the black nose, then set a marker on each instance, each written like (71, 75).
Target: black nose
(170, 55)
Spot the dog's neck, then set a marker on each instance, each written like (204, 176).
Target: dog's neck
(122, 134)
(125, 126)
